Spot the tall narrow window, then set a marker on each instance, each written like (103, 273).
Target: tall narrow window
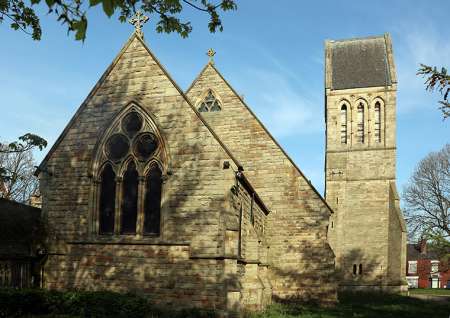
(344, 124)
(354, 269)
(360, 123)
(360, 269)
(129, 199)
(107, 200)
(152, 205)
(377, 122)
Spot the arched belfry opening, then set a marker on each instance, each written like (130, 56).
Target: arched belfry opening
(129, 167)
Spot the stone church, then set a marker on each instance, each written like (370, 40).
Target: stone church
(186, 197)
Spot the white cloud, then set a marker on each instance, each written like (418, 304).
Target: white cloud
(412, 47)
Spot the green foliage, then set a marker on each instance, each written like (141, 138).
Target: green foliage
(73, 14)
(37, 302)
(440, 81)
(361, 305)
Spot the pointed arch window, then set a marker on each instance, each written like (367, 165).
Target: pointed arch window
(360, 123)
(344, 124)
(210, 103)
(377, 122)
(107, 200)
(152, 203)
(129, 202)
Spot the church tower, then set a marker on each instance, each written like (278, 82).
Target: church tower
(367, 231)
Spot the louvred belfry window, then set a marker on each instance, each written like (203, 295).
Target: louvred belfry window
(130, 182)
(344, 124)
(360, 123)
(377, 122)
(210, 103)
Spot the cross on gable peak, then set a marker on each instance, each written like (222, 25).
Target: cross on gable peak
(138, 20)
(211, 54)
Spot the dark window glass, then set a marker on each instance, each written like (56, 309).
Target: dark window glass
(132, 124)
(354, 269)
(203, 108)
(117, 147)
(210, 103)
(152, 201)
(107, 200)
(145, 145)
(360, 269)
(129, 199)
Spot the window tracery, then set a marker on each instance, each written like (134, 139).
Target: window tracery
(129, 187)
(210, 103)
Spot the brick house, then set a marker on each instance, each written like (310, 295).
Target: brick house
(424, 269)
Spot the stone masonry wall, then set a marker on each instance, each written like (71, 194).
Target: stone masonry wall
(358, 185)
(186, 264)
(301, 261)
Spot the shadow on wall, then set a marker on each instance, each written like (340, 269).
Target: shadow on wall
(182, 271)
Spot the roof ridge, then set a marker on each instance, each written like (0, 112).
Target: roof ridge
(370, 37)
(262, 125)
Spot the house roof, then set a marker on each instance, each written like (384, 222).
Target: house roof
(414, 253)
(360, 62)
(18, 224)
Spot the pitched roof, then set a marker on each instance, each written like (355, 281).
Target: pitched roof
(262, 126)
(18, 224)
(413, 253)
(92, 93)
(360, 62)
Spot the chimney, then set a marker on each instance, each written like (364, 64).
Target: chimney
(423, 246)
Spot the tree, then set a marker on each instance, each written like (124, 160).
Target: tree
(440, 81)
(21, 183)
(24, 144)
(427, 198)
(72, 13)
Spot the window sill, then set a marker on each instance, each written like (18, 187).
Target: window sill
(127, 240)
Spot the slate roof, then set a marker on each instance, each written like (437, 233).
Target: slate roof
(413, 253)
(359, 63)
(18, 224)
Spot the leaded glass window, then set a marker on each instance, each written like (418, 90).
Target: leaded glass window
(152, 205)
(132, 124)
(117, 147)
(131, 148)
(145, 145)
(107, 200)
(210, 103)
(129, 199)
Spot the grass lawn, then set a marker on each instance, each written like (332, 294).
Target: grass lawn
(362, 306)
(430, 291)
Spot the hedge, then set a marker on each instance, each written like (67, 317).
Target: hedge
(39, 302)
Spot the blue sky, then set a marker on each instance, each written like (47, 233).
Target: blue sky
(271, 53)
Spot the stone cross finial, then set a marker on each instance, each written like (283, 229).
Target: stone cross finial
(211, 54)
(138, 21)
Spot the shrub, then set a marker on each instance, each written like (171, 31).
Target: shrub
(36, 302)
